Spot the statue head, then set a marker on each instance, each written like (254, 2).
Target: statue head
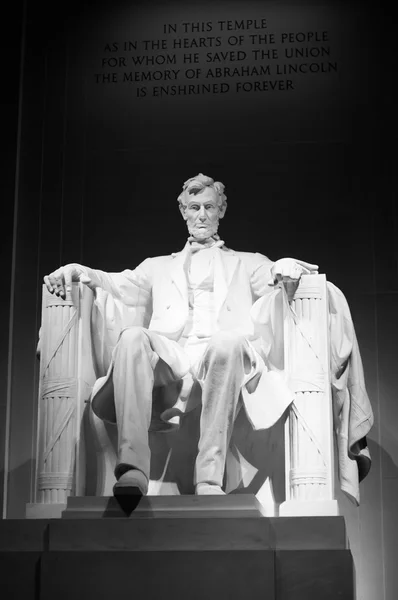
(202, 204)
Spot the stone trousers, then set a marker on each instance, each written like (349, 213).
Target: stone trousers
(137, 369)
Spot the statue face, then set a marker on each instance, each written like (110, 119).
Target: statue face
(202, 213)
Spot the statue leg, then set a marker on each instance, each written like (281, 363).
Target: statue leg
(221, 374)
(136, 369)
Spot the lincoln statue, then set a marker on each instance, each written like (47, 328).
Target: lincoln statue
(205, 336)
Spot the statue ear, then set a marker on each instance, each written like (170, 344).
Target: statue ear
(182, 211)
(223, 210)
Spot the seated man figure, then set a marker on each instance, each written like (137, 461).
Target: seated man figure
(200, 329)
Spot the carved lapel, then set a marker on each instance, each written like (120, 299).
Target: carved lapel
(224, 268)
(178, 274)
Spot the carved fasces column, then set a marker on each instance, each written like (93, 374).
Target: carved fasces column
(66, 379)
(309, 427)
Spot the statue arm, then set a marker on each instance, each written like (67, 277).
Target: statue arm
(267, 312)
(267, 281)
(130, 286)
(261, 275)
(267, 274)
(267, 316)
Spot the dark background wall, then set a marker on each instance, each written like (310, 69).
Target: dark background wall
(309, 170)
(10, 46)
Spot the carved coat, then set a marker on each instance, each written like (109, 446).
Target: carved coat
(155, 295)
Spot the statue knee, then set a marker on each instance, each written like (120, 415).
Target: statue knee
(133, 337)
(227, 343)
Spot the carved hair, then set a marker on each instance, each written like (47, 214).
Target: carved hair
(196, 184)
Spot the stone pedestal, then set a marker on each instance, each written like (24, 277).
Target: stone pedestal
(160, 507)
(203, 548)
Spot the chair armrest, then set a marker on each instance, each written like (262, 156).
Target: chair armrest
(66, 379)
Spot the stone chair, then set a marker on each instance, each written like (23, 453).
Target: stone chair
(289, 467)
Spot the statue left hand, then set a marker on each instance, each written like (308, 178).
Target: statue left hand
(290, 270)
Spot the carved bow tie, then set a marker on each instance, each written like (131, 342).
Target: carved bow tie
(213, 242)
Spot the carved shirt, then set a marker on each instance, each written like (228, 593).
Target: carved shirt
(202, 319)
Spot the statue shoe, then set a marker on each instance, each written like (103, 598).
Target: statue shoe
(209, 489)
(132, 483)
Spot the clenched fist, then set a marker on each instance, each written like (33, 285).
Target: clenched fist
(290, 270)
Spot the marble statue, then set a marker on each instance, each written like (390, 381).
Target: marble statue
(206, 334)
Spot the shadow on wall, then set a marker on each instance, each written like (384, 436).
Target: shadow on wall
(372, 527)
(22, 473)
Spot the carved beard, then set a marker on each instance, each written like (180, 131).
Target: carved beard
(208, 232)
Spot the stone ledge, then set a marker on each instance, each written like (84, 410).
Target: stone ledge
(198, 533)
(191, 532)
(148, 535)
(21, 535)
(155, 507)
(197, 575)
